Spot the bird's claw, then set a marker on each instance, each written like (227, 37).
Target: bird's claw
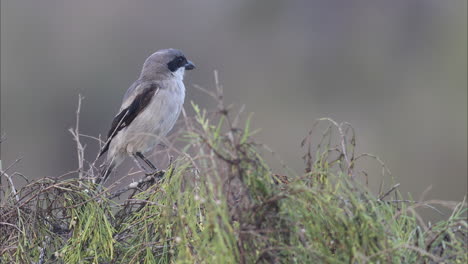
(156, 173)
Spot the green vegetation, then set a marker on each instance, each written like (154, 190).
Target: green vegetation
(220, 203)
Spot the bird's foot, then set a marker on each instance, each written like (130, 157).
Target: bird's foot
(156, 174)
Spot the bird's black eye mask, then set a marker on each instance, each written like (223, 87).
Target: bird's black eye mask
(176, 63)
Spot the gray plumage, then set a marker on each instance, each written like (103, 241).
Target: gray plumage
(149, 109)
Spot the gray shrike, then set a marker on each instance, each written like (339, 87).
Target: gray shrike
(149, 110)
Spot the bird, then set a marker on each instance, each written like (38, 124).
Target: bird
(149, 110)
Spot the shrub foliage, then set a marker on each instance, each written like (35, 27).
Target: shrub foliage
(219, 202)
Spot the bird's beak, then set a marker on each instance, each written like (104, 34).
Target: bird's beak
(189, 66)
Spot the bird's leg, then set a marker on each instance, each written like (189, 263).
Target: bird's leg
(137, 161)
(147, 161)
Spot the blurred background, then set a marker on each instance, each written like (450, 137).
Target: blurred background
(396, 70)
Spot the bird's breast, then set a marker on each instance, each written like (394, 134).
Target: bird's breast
(155, 121)
(167, 105)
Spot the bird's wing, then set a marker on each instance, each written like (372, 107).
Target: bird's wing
(133, 91)
(132, 106)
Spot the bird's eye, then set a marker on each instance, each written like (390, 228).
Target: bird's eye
(177, 63)
(181, 61)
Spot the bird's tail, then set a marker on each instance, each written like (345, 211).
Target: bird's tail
(107, 167)
(106, 170)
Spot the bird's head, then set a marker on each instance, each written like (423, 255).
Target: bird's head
(166, 62)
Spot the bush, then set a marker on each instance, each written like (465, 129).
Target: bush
(220, 203)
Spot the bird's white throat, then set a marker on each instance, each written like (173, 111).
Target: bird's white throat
(179, 74)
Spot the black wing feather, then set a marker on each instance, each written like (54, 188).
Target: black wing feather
(127, 115)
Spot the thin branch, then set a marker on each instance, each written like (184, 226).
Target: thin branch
(76, 136)
(381, 197)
